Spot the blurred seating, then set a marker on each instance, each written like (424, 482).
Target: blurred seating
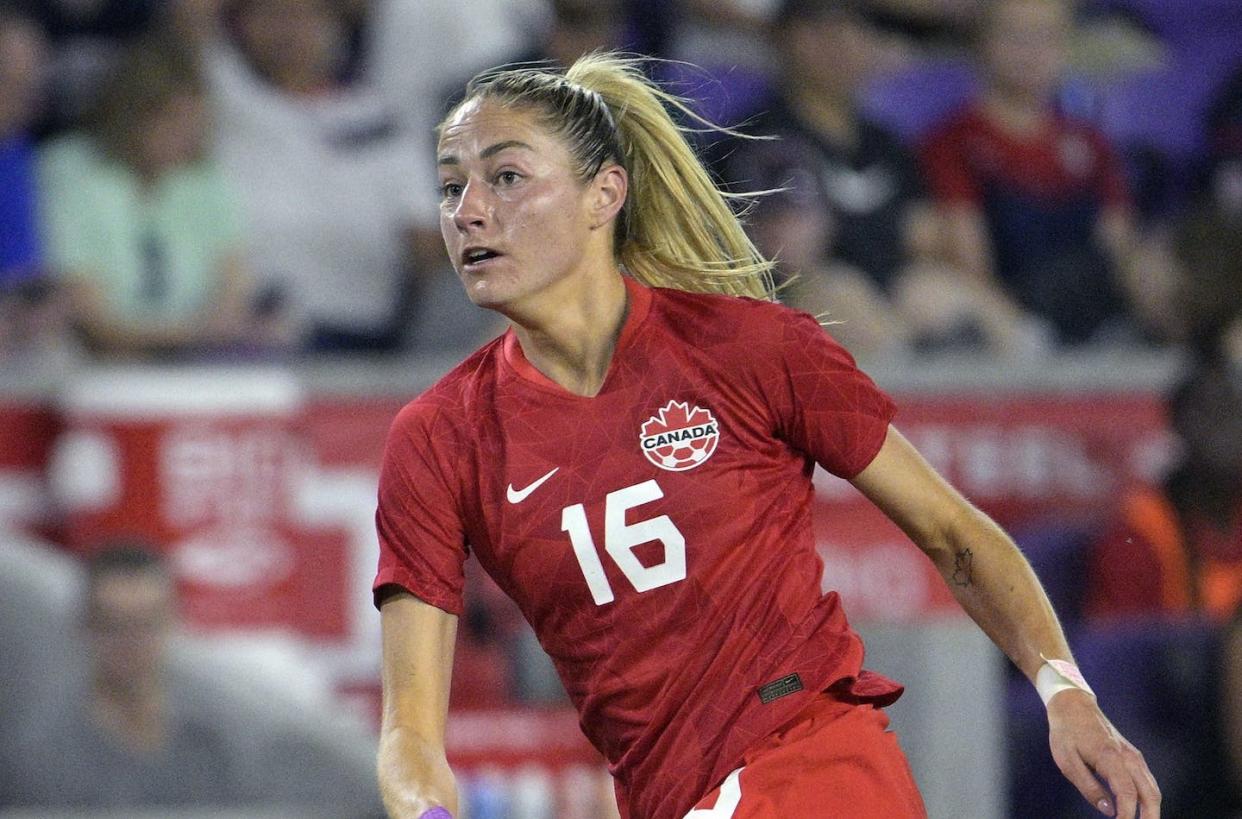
(1060, 554)
(723, 93)
(912, 99)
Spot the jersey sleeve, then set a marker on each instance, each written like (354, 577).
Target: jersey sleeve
(822, 404)
(418, 519)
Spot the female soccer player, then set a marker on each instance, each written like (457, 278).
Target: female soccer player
(632, 463)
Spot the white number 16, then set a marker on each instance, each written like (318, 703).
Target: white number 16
(620, 538)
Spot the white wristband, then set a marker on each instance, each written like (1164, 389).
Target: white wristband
(1055, 676)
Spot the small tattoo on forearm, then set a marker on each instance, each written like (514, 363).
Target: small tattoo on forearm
(963, 563)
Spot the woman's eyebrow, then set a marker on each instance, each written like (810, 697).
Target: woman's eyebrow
(488, 152)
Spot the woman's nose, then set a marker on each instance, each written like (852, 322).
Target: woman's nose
(473, 208)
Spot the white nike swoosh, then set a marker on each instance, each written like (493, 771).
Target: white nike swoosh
(519, 495)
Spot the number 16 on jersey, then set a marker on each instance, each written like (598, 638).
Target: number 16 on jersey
(620, 539)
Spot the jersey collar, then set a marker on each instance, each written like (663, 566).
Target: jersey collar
(640, 305)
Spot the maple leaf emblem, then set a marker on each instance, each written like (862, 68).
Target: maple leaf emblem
(675, 415)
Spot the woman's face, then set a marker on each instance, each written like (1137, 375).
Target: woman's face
(517, 221)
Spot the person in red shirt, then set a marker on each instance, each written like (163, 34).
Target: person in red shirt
(631, 462)
(1175, 548)
(1035, 202)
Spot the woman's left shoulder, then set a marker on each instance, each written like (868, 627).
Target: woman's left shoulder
(770, 317)
(760, 326)
(719, 304)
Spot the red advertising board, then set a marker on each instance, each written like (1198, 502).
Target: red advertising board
(265, 495)
(28, 427)
(206, 466)
(1028, 460)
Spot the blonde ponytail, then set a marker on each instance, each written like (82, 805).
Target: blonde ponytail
(681, 230)
(678, 229)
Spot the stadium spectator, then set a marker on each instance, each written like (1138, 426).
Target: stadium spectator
(141, 226)
(1035, 201)
(853, 222)
(1230, 706)
(1209, 250)
(86, 39)
(193, 25)
(933, 23)
(713, 33)
(31, 312)
(577, 27)
(22, 62)
(1224, 132)
(112, 708)
(417, 49)
(127, 742)
(1176, 548)
(1209, 241)
(329, 177)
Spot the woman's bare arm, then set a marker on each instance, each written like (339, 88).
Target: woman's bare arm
(996, 586)
(418, 642)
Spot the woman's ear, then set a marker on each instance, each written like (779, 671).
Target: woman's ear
(608, 191)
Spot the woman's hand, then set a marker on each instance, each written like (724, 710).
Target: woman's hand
(1107, 770)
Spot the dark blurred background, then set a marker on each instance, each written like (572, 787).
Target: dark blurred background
(221, 275)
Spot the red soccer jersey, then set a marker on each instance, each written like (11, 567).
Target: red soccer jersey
(657, 536)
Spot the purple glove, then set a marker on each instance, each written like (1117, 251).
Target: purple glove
(435, 813)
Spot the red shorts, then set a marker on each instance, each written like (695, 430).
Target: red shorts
(837, 759)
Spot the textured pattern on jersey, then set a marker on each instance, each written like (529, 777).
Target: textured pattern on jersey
(665, 674)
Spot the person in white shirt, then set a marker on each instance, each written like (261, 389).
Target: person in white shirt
(334, 187)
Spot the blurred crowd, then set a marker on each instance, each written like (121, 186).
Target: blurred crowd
(242, 180)
(110, 708)
(232, 179)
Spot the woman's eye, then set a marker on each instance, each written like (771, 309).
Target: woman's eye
(450, 190)
(507, 177)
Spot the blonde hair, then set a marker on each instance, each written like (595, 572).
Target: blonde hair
(677, 228)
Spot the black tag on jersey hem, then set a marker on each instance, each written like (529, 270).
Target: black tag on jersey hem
(789, 684)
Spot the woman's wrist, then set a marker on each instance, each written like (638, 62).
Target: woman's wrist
(1055, 676)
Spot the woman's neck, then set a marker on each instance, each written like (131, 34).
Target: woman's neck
(572, 340)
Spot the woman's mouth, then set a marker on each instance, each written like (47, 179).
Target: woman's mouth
(474, 259)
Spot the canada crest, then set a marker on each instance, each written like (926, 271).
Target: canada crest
(679, 436)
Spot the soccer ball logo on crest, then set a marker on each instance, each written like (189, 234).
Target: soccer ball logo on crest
(679, 437)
